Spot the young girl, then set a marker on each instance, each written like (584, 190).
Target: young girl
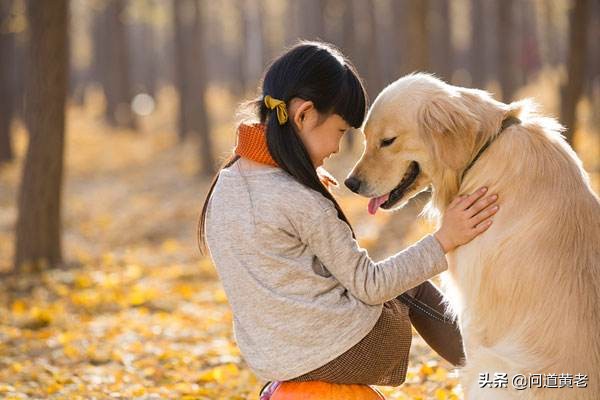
(308, 303)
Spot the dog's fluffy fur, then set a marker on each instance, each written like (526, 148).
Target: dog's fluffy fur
(526, 291)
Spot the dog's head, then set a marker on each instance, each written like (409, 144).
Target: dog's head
(417, 129)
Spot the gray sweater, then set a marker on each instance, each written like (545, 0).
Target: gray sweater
(301, 289)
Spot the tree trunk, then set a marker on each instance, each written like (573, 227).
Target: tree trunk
(148, 44)
(100, 55)
(181, 61)
(111, 63)
(313, 19)
(491, 50)
(252, 42)
(7, 89)
(201, 123)
(440, 40)
(192, 77)
(348, 44)
(593, 56)
(240, 83)
(571, 90)
(118, 91)
(530, 62)
(401, 34)
(592, 85)
(374, 70)
(478, 41)
(506, 48)
(38, 230)
(292, 31)
(552, 52)
(418, 38)
(255, 41)
(142, 48)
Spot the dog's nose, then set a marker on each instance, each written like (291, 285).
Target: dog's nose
(353, 184)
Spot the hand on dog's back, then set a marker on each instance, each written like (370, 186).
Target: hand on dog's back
(465, 218)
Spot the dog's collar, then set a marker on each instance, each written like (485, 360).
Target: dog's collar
(506, 122)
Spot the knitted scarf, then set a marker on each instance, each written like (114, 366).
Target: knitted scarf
(252, 144)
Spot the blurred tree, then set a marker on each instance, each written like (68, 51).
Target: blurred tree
(506, 48)
(149, 44)
(191, 78)
(119, 94)
(100, 52)
(418, 39)
(7, 88)
(240, 82)
(592, 85)
(291, 22)
(401, 47)
(111, 58)
(529, 55)
(365, 54)
(440, 39)
(78, 79)
(374, 68)
(549, 14)
(182, 12)
(269, 42)
(571, 90)
(253, 43)
(385, 41)
(348, 44)
(201, 115)
(79, 68)
(592, 69)
(216, 41)
(490, 41)
(143, 48)
(478, 41)
(38, 229)
(593, 55)
(313, 19)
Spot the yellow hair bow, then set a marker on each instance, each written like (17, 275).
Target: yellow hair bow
(272, 103)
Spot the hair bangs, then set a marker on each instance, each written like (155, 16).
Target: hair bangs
(351, 101)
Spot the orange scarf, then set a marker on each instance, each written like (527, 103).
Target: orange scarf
(252, 144)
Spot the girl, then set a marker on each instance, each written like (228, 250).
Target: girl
(308, 303)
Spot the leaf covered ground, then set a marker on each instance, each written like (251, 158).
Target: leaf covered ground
(135, 312)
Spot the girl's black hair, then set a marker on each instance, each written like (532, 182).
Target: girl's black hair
(312, 71)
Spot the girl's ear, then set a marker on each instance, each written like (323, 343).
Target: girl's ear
(302, 112)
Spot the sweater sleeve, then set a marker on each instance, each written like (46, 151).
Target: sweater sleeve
(373, 283)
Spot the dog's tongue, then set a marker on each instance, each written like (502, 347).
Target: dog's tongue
(375, 202)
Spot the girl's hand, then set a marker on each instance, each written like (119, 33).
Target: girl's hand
(465, 218)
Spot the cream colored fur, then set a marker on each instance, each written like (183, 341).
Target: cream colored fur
(526, 292)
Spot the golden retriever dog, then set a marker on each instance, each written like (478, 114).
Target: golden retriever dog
(526, 291)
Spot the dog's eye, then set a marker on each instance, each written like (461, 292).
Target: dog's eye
(387, 142)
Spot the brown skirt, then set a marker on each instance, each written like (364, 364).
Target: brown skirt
(380, 358)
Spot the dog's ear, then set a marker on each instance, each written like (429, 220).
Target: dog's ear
(448, 128)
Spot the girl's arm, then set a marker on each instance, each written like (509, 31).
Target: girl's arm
(373, 283)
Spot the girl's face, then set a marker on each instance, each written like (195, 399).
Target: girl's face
(320, 134)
